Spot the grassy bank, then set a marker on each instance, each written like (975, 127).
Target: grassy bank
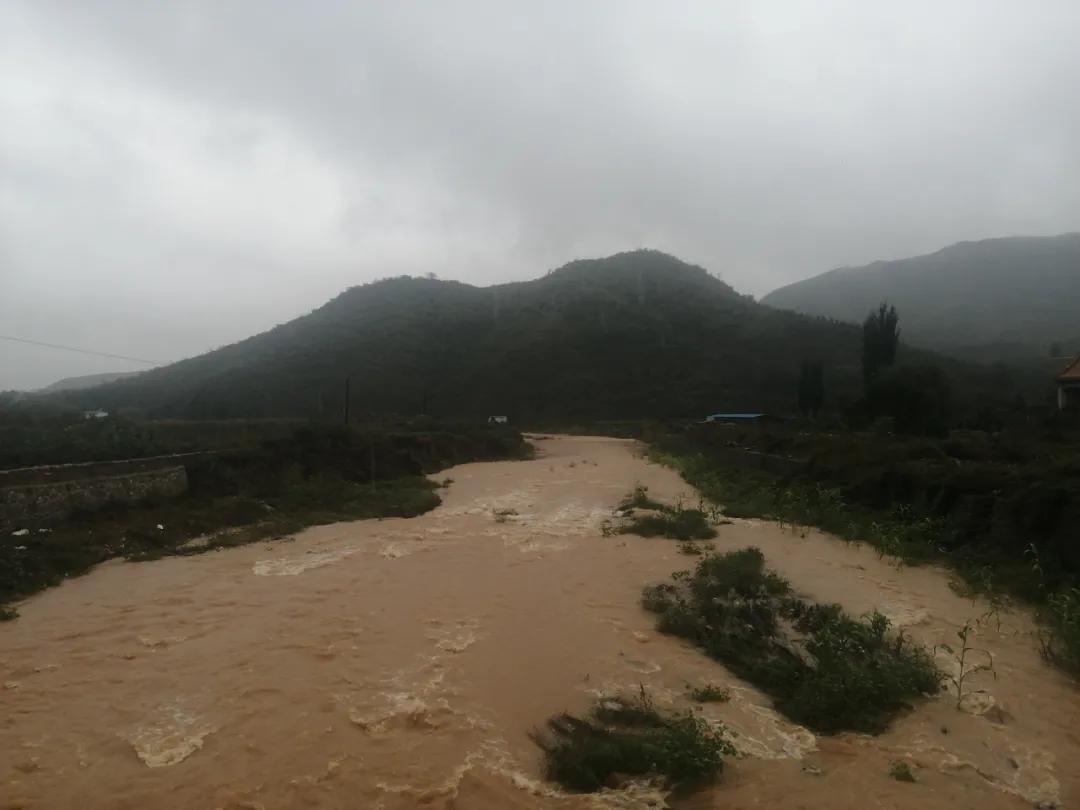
(1006, 528)
(312, 476)
(822, 668)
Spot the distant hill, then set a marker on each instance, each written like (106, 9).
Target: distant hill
(85, 381)
(994, 299)
(636, 334)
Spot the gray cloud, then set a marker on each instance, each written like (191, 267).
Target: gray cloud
(177, 176)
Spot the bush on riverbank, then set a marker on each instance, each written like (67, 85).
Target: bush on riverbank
(1003, 512)
(623, 738)
(822, 668)
(649, 518)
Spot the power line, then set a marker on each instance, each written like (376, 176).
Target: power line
(79, 351)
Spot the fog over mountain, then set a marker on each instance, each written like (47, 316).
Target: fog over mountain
(175, 177)
(994, 299)
(635, 334)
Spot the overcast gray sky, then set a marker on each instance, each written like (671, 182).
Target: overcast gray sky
(174, 177)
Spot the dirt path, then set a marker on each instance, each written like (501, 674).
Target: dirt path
(391, 664)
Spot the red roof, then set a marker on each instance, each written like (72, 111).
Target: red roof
(1071, 372)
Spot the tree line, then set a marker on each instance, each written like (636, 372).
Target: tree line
(916, 399)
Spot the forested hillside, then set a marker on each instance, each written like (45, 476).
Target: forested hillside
(85, 381)
(635, 334)
(994, 299)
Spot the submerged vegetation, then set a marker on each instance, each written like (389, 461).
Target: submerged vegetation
(650, 518)
(1000, 511)
(822, 668)
(622, 738)
(710, 693)
(313, 475)
(677, 524)
(901, 772)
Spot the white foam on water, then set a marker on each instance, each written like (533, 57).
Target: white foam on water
(1032, 780)
(900, 615)
(531, 544)
(393, 551)
(157, 642)
(457, 636)
(404, 708)
(644, 667)
(171, 737)
(772, 738)
(493, 756)
(573, 519)
(518, 501)
(291, 566)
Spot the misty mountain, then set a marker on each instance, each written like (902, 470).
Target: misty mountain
(994, 299)
(85, 381)
(635, 334)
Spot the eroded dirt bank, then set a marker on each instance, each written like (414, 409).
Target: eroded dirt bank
(401, 663)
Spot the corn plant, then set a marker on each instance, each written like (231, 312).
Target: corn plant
(965, 668)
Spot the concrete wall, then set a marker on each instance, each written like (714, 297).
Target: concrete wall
(30, 505)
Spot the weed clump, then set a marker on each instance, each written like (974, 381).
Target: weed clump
(822, 668)
(901, 772)
(710, 693)
(661, 520)
(503, 515)
(623, 738)
(639, 499)
(680, 524)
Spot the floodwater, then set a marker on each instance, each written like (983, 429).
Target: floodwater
(401, 663)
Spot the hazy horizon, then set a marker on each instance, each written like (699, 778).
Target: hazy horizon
(176, 178)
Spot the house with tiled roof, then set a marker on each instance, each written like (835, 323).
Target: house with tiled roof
(1068, 383)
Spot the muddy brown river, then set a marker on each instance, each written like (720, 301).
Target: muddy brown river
(401, 663)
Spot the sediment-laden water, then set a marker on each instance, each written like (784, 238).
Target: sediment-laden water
(402, 663)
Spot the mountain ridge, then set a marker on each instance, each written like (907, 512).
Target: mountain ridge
(640, 333)
(84, 381)
(1018, 292)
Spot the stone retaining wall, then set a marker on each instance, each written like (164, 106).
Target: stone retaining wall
(32, 505)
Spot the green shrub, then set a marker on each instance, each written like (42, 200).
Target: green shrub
(972, 502)
(624, 738)
(822, 668)
(901, 772)
(639, 499)
(710, 693)
(677, 524)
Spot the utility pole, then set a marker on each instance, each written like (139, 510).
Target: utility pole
(346, 400)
